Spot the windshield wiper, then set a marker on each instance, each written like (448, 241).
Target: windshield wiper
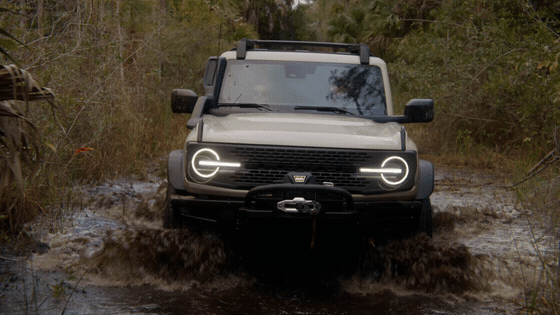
(245, 105)
(325, 109)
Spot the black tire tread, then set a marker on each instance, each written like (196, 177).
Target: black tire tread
(171, 218)
(425, 224)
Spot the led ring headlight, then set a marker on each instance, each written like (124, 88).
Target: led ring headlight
(206, 163)
(392, 170)
(398, 158)
(205, 158)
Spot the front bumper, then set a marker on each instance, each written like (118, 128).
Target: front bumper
(277, 203)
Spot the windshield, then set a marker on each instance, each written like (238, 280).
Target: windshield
(357, 89)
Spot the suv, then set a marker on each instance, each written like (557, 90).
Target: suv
(299, 132)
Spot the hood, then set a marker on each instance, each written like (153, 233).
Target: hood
(303, 130)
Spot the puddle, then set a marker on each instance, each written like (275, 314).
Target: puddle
(113, 256)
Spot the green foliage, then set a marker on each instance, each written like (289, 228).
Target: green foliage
(491, 71)
(301, 27)
(374, 22)
(276, 19)
(347, 25)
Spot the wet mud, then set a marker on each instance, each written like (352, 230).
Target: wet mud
(112, 256)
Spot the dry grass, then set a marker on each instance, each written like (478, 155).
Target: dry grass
(454, 155)
(19, 154)
(540, 197)
(113, 74)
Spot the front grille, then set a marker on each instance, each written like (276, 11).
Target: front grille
(263, 165)
(330, 159)
(269, 165)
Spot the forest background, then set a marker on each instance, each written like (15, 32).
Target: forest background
(491, 67)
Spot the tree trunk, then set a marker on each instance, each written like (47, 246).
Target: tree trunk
(40, 10)
(121, 45)
(161, 22)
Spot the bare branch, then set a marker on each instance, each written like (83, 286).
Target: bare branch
(495, 60)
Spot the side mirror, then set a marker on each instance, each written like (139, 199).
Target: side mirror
(183, 101)
(419, 110)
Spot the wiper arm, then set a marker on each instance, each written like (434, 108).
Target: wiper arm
(325, 109)
(245, 105)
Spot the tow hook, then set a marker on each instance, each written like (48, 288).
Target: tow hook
(299, 204)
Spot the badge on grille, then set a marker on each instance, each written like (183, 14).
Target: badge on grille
(299, 178)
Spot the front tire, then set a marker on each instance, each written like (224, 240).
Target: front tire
(171, 217)
(425, 224)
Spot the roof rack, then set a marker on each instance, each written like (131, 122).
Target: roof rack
(247, 44)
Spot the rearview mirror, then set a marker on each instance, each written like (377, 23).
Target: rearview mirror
(419, 110)
(183, 101)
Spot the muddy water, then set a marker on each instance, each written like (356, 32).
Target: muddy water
(111, 256)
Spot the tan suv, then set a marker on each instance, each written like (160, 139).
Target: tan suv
(299, 132)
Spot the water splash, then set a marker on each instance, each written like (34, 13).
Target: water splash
(171, 255)
(420, 264)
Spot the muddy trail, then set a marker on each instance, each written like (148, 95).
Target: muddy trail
(110, 255)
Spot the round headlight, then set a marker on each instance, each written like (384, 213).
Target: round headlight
(394, 178)
(202, 163)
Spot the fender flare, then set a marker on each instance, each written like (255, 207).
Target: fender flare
(175, 171)
(425, 179)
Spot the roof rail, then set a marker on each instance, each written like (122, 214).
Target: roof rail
(247, 44)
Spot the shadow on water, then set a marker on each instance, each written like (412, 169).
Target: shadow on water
(284, 257)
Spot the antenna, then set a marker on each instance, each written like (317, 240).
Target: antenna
(219, 37)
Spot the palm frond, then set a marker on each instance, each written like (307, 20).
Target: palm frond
(17, 84)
